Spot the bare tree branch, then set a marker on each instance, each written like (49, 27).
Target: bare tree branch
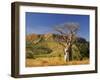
(68, 32)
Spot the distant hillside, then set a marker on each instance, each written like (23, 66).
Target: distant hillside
(32, 37)
(50, 37)
(45, 45)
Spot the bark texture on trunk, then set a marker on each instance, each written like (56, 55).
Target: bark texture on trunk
(68, 53)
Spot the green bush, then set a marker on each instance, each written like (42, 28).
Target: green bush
(40, 50)
(29, 54)
(84, 49)
(36, 51)
(75, 53)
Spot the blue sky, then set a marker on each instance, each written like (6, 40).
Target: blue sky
(41, 23)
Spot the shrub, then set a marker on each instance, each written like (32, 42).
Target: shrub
(84, 49)
(40, 50)
(75, 53)
(29, 54)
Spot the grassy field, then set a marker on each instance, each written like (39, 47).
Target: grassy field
(53, 61)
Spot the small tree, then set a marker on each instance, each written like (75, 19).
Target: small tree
(68, 32)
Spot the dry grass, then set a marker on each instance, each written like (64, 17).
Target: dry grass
(53, 61)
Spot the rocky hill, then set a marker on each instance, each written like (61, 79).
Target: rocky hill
(45, 45)
(50, 37)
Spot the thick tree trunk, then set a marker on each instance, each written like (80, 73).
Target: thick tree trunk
(68, 54)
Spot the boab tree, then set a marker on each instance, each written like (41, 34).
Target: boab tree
(68, 32)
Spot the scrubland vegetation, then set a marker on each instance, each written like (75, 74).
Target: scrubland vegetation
(43, 50)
